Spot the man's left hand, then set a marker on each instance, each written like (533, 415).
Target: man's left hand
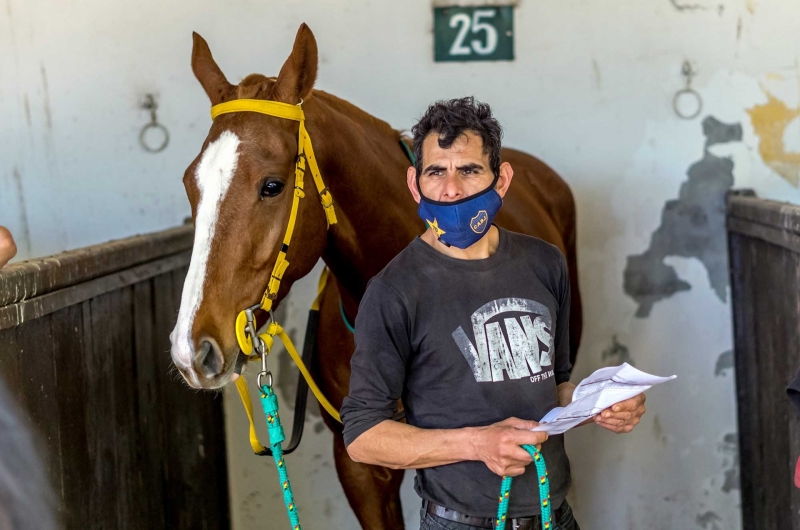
(623, 416)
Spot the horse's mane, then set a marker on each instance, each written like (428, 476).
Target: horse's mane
(258, 86)
(347, 108)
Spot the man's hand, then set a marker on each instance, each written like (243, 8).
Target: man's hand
(623, 416)
(498, 445)
(8, 249)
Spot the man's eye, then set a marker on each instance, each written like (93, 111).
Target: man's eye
(271, 188)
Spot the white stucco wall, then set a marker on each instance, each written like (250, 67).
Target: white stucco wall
(590, 93)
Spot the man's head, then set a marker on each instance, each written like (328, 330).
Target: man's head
(457, 146)
(458, 179)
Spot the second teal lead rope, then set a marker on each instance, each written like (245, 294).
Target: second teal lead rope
(544, 492)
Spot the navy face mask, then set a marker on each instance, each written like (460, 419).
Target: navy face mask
(461, 223)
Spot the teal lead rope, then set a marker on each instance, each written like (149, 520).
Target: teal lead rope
(544, 492)
(269, 401)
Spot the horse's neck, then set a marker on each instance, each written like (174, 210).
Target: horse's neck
(365, 167)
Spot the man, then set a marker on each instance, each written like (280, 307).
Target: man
(466, 421)
(8, 249)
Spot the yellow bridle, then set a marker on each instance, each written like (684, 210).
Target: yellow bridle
(245, 330)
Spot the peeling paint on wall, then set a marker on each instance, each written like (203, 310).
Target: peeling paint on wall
(724, 362)
(692, 226)
(709, 520)
(770, 122)
(658, 431)
(617, 353)
(686, 7)
(23, 210)
(598, 79)
(26, 104)
(48, 113)
(729, 449)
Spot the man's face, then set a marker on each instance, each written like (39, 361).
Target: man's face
(454, 173)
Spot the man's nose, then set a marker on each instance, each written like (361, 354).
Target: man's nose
(453, 188)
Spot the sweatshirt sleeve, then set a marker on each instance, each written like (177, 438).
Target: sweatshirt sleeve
(379, 363)
(563, 367)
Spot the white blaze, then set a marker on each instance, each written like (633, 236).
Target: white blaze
(213, 177)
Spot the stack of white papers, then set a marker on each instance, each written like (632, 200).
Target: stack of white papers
(599, 391)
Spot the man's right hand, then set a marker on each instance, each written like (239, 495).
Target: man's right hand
(498, 445)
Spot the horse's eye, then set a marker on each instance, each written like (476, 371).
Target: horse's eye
(271, 188)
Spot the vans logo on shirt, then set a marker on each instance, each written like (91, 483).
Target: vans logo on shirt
(527, 349)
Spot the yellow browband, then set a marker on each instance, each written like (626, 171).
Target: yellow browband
(305, 153)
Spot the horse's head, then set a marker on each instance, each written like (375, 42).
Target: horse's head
(240, 188)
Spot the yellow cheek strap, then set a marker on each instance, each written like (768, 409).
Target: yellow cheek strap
(305, 155)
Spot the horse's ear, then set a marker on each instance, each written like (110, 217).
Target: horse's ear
(299, 72)
(207, 72)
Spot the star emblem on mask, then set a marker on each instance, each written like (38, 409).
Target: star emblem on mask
(435, 227)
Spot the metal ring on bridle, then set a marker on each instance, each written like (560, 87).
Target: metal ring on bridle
(691, 92)
(250, 331)
(271, 318)
(159, 148)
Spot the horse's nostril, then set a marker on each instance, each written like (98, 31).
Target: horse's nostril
(208, 361)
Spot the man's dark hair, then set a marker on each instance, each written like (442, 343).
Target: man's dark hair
(450, 119)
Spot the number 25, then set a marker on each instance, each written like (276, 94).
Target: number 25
(459, 48)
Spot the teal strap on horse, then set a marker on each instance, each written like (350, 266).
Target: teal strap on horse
(544, 492)
(269, 401)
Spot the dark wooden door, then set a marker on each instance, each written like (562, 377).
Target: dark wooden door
(84, 347)
(764, 243)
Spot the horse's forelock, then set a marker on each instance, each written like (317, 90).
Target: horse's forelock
(255, 86)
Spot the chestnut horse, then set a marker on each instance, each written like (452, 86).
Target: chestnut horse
(240, 190)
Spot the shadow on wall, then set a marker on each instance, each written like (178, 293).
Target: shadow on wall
(692, 226)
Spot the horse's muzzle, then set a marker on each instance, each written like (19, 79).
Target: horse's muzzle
(208, 361)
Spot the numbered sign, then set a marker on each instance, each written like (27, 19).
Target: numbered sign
(473, 33)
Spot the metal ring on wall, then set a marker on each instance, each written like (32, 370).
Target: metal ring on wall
(687, 92)
(156, 149)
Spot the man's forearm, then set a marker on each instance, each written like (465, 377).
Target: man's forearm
(401, 446)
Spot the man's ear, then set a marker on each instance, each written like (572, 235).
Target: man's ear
(298, 74)
(411, 180)
(207, 72)
(504, 179)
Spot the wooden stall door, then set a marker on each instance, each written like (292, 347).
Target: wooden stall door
(764, 245)
(84, 347)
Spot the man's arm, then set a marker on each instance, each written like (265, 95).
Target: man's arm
(399, 446)
(8, 249)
